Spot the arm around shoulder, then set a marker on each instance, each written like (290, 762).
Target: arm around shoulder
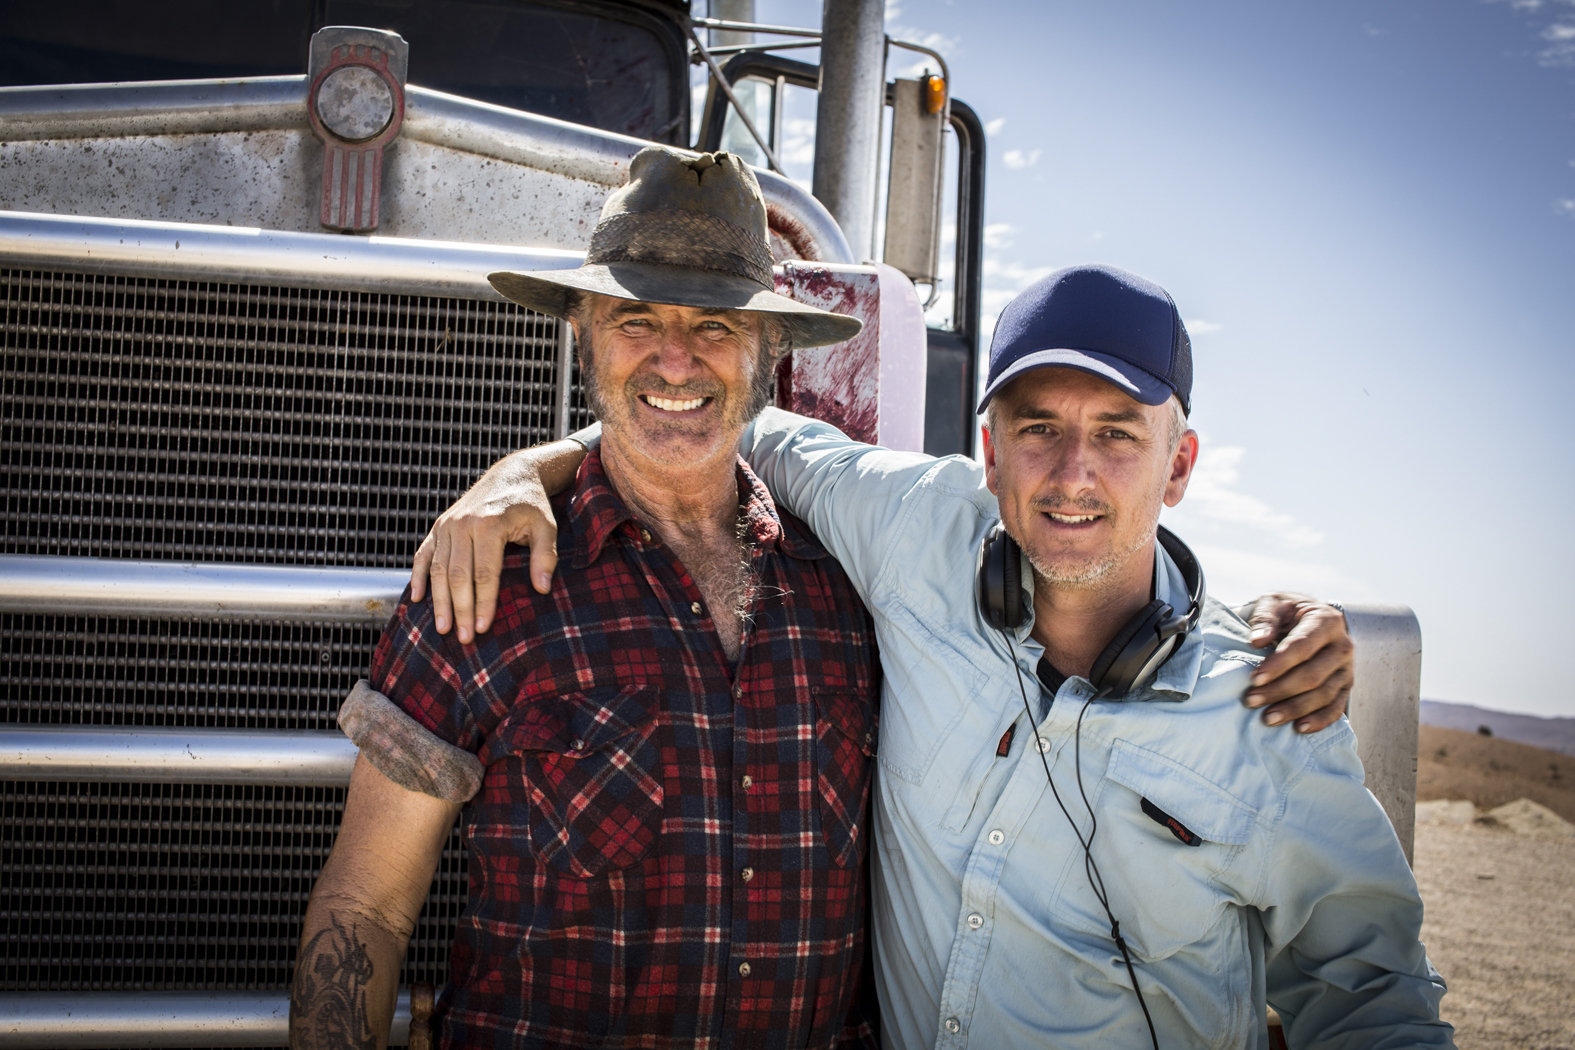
(852, 494)
(363, 910)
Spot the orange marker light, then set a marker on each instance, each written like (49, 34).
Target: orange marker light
(934, 93)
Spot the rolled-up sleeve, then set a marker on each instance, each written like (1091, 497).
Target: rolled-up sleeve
(404, 750)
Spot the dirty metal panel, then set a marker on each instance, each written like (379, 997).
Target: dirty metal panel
(871, 386)
(273, 179)
(241, 153)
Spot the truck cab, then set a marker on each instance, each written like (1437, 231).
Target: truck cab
(250, 354)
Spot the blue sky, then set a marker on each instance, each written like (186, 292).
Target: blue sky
(1366, 211)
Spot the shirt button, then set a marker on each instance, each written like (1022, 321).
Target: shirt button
(997, 837)
(645, 534)
(747, 781)
(975, 921)
(743, 969)
(577, 744)
(694, 607)
(747, 874)
(1044, 745)
(953, 1025)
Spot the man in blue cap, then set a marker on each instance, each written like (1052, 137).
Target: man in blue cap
(1083, 838)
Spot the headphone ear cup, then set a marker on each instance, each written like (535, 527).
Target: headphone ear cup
(1118, 666)
(1011, 582)
(1000, 582)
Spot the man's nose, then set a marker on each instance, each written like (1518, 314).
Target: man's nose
(1072, 467)
(676, 361)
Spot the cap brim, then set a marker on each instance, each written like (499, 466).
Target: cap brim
(545, 291)
(1138, 384)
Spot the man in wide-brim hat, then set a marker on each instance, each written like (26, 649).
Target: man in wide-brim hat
(663, 759)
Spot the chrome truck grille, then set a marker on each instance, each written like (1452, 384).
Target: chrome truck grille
(183, 420)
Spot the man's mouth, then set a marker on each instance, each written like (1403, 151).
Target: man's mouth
(673, 404)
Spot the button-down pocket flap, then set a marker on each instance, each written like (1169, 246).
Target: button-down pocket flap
(849, 713)
(1202, 806)
(579, 777)
(578, 723)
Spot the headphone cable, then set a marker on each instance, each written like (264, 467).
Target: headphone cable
(1096, 881)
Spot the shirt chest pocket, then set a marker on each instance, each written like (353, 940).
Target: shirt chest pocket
(580, 778)
(845, 749)
(1165, 864)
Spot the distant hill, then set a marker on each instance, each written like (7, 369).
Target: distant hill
(1490, 771)
(1552, 734)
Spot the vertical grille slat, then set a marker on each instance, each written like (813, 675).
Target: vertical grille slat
(189, 420)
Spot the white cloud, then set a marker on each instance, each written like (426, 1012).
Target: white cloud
(798, 143)
(908, 63)
(1565, 207)
(1557, 34)
(1561, 44)
(1001, 280)
(1021, 158)
(1198, 326)
(1235, 574)
(1214, 493)
(993, 128)
(934, 41)
(998, 235)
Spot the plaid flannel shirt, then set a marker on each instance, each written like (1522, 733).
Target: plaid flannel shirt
(667, 850)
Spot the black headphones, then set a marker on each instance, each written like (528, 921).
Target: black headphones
(1135, 654)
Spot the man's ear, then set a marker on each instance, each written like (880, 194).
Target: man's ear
(989, 458)
(1181, 463)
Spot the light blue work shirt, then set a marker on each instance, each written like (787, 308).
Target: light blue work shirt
(987, 932)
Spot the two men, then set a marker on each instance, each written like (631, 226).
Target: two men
(664, 760)
(1082, 837)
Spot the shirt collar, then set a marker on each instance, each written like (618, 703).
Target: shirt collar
(596, 513)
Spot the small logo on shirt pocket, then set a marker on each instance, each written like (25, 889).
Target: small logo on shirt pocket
(1177, 828)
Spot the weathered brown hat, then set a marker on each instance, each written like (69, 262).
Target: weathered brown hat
(688, 231)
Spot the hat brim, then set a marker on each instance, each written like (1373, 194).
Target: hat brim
(546, 291)
(1131, 380)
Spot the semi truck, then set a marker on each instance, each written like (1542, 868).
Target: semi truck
(250, 353)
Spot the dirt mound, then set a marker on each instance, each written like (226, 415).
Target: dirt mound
(1489, 772)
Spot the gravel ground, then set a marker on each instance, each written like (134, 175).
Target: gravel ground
(1500, 927)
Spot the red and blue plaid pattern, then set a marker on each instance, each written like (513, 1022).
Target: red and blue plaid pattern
(666, 851)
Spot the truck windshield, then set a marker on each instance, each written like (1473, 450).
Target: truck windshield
(616, 66)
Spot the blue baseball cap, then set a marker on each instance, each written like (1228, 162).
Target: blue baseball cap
(1100, 320)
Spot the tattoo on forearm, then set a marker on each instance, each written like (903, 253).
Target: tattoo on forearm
(328, 1000)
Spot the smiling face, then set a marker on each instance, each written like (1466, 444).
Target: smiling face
(674, 384)
(1081, 471)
